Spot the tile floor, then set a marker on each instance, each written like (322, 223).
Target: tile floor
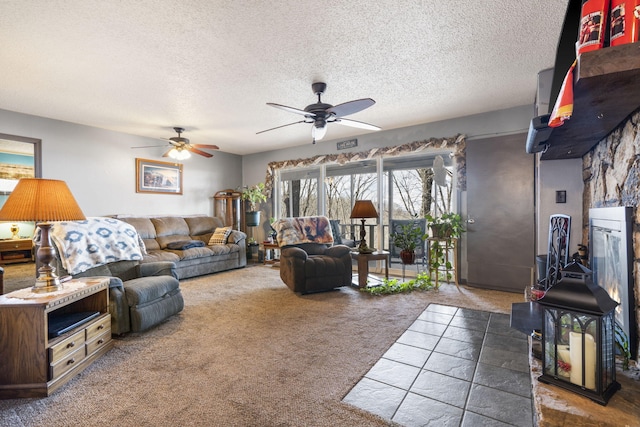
(452, 367)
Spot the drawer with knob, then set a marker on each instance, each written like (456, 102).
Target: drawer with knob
(65, 347)
(66, 363)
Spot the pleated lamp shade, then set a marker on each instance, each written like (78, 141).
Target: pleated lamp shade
(364, 209)
(41, 200)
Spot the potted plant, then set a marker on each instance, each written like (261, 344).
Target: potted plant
(406, 240)
(446, 226)
(253, 195)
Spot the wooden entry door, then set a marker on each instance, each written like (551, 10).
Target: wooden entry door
(500, 207)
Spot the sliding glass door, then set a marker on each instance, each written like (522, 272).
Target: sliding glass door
(402, 188)
(344, 184)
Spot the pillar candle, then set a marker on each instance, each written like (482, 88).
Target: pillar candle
(575, 350)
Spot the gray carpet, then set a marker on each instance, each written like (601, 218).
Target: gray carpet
(245, 351)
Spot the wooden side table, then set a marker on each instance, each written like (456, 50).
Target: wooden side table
(16, 250)
(363, 264)
(272, 247)
(448, 246)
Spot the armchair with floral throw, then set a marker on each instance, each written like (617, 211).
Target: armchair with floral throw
(308, 262)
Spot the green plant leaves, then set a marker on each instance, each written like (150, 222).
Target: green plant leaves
(394, 286)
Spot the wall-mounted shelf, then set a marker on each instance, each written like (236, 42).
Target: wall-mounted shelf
(606, 92)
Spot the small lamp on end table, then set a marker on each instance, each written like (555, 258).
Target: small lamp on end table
(42, 200)
(364, 209)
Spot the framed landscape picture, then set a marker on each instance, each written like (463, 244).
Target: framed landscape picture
(158, 177)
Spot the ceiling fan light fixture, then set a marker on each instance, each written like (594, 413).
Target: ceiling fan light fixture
(179, 153)
(319, 130)
(320, 113)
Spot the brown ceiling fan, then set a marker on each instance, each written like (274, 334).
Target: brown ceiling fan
(321, 114)
(181, 148)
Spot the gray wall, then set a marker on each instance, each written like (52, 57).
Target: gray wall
(512, 120)
(560, 175)
(99, 167)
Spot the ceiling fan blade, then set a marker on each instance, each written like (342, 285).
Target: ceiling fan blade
(210, 147)
(172, 142)
(350, 107)
(148, 146)
(278, 127)
(195, 150)
(291, 109)
(356, 124)
(166, 154)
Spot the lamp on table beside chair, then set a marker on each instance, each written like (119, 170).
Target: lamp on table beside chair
(364, 209)
(42, 201)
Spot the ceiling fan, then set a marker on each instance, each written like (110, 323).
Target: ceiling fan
(321, 114)
(181, 148)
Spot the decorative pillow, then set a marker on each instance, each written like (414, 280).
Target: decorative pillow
(220, 236)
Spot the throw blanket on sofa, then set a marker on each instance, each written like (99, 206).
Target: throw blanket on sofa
(309, 229)
(95, 241)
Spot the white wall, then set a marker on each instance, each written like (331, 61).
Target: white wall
(559, 175)
(99, 168)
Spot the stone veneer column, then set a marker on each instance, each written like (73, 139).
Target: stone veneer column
(611, 175)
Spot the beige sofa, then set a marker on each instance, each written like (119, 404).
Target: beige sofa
(161, 233)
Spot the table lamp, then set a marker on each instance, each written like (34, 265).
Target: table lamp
(364, 209)
(42, 200)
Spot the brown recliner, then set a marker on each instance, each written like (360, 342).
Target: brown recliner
(315, 267)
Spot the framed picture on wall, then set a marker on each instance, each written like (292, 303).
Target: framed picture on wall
(158, 177)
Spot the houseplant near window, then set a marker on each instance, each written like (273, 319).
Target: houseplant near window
(406, 240)
(446, 227)
(254, 195)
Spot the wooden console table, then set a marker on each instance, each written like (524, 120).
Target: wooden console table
(363, 264)
(33, 364)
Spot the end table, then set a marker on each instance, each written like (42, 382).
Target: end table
(270, 248)
(363, 264)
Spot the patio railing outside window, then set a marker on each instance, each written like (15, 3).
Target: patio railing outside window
(409, 187)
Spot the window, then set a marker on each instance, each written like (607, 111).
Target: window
(299, 193)
(411, 186)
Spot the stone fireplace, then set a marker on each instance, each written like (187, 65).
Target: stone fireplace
(611, 176)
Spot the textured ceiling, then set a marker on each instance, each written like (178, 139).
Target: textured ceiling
(142, 67)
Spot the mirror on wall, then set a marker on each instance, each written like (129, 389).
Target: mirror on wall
(19, 158)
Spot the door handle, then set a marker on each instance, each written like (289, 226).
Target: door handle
(471, 221)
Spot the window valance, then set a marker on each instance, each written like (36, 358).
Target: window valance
(457, 144)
